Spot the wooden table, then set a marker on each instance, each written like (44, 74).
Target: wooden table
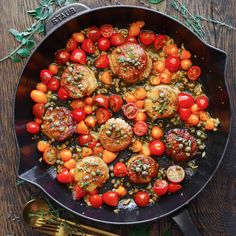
(213, 211)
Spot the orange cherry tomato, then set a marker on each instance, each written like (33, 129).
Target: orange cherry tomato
(156, 132)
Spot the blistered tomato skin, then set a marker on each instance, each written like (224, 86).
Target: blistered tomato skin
(202, 102)
(104, 44)
(45, 76)
(93, 33)
(156, 147)
(185, 100)
(160, 187)
(115, 103)
(142, 198)
(172, 63)
(111, 198)
(96, 200)
(62, 56)
(32, 127)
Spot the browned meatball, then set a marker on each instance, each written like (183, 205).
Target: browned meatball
(180, 145)
(78, 80)
(141, 169)
(58, 123)
(116, 135)
(161, 102)
(130, 62)
(91, 172)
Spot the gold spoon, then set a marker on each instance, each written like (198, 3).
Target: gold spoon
(39, 205)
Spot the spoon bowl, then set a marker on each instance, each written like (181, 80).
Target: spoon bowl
(32, 209)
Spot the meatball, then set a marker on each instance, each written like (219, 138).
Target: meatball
(78, 80)
(161, 102)
(180, 145)
(116, 135)
(130, 62)
(141, 169)
(58, 123)
(91, 172)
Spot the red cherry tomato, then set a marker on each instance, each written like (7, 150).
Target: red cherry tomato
(96, 200)
(78, 56)
(120, 169)
(71, 45)
(93, 144)
(88, 46)
(140, 128)
(93, 33)
(173, 188)
(142, 198)
(130, 110)
(62, 94)
(172, 63)
(78, 114)
(50, 155)
(102, 61)
(38, 110)
(104, 44)
(53, 84)
(64, 176)
(111, 198)
(117, 39)
(115, 103)
(202, 102)
(85, 139)
(101, 100)
(131, 39)
(175, 174)
(95, 191)
(159, 41)
(102, 115)
(146, 37)
(45, 76)
(185, 100)
(194, 72)
(106, 30)
(79, 192)
(156, 147)
(62, 56)
(184, 113)
(32, 127)
(160, 187)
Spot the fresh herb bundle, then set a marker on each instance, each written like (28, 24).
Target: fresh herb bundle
(194, 22)
(27, 38)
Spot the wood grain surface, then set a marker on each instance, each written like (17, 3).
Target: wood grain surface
(213, 211)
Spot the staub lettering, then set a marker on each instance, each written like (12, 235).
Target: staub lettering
(60, 17)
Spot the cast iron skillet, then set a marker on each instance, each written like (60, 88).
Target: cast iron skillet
(212, 61)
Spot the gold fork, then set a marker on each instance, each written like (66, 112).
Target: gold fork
(52, 227)
(32, 217)
(85, 227)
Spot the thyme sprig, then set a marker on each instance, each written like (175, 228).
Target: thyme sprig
(191, 21)
(218, 22)
(27, 38)
(194, 22)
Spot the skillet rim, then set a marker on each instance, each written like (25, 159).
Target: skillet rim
(189, 31)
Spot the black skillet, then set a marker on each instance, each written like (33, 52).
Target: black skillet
(59, 28)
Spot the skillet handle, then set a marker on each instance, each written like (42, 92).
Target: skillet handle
(63, 14)
(185, 223)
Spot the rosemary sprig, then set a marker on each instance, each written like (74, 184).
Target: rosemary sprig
(27, 38)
